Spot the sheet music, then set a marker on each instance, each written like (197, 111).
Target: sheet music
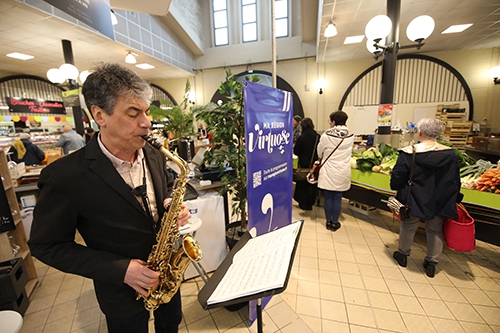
(262, 264)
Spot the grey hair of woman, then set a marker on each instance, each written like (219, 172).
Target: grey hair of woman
(108, 82)
(430, 127)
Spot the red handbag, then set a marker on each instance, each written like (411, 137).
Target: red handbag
(459, 233)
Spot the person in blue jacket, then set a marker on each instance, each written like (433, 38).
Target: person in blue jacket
(434, 192)
(23, 150)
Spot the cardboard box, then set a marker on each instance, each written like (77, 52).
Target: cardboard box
(13, 279)
(52, 158)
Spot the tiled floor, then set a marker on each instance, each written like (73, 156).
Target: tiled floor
(341, 282)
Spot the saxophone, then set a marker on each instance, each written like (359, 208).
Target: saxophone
(166, 256)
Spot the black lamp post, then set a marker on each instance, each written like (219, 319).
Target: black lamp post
(418, 30)
(73, 84)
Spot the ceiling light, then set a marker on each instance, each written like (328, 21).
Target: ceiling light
(114, 20)
(331, 30)
(354, 39)
(83, 76)
(145, 66)
(456, 28)
(69, 71)
(130, 58)
(55, 76)
(420, 28)
(20, 56)
(378, 27)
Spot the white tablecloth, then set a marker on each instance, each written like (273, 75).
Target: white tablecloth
(211, 234)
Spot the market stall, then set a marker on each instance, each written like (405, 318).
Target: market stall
(370, 188)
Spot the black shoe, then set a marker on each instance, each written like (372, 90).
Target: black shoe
(430, 268)
(400, 258)
(329, 225)
(335, 226)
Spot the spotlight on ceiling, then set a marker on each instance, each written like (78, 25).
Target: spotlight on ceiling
(114, 20)
(331, 30)
(130, 58)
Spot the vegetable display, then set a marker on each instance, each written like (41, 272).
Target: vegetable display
(368, 159)
(489, 181)
(381, 159)
(478, 175)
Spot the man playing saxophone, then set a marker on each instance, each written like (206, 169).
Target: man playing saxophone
(114, 192)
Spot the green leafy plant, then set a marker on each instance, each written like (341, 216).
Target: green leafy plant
(176, 119)
(226, 123)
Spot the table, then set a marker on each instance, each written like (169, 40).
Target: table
(211, 233)
(215, 185)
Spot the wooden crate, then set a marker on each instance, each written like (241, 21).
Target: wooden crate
(493, 146)
(456, 133)
(457, 127)
(361, 208)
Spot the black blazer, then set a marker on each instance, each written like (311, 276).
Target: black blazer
(83, 191)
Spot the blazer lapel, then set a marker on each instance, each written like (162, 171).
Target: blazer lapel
(102, 166)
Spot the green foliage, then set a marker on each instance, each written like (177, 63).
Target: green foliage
(178, 119)
(226, 123)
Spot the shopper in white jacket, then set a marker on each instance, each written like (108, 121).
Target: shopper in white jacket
(335, 174)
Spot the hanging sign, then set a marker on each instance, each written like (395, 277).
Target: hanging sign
(384, 115)
(95, 13)
(71, 98)
(27, 105)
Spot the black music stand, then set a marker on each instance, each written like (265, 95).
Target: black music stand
(217, 276)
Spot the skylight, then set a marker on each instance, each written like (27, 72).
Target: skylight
(354, 39)
(20, 56)
(456, 28)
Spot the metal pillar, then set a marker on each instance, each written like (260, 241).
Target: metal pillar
(73, 84)
(390, 59)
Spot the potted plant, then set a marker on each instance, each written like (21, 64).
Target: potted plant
(226, 123)
(177, 119)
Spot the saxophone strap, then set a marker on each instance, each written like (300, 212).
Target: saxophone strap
(142, 192)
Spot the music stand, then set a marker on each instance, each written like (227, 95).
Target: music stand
(208, 289)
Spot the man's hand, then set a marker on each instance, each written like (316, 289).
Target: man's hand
(139, 277)
(184, 215)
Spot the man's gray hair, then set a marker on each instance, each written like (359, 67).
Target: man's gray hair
(108, 82)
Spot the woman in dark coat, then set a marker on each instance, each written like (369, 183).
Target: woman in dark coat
(305, 148)
(435, 190)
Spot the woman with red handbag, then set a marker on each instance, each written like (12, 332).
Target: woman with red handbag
(431, 194)
(335, 148)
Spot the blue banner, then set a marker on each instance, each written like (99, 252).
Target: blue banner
(268, 140)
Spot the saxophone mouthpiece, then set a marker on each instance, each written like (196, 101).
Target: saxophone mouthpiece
(152, 141)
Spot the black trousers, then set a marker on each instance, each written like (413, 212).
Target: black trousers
(167, 319)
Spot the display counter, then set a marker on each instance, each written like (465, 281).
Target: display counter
(371, 188)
